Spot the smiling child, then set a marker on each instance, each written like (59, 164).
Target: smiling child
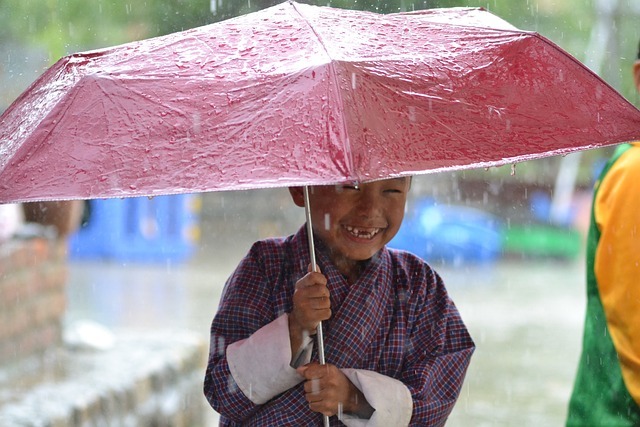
(396, 347)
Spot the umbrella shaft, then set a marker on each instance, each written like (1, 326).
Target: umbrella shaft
(314, 265)
(307, 212)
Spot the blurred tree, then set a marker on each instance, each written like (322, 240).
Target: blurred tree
(169, 16)
(65, 26)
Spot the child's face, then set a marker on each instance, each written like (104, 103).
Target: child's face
(356, 222)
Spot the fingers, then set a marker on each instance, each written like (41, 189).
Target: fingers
(311, 302)
(314, 370)
(315, 388)
(325, 388)
(312, 280)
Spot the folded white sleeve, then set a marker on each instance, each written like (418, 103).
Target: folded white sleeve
(260, 364)
(390, 399)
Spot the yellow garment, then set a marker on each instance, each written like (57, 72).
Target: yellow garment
(617, 261)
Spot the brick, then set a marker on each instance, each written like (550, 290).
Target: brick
(33, 277)
(54, 276)
(19, 256)
(49, 336)
(20, 321)
(26, 284)
(38, 252)
(47, 308)
(57, 304)
(60, 251)
(10, 285)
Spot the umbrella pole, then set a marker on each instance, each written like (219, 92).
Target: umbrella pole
(314, 265)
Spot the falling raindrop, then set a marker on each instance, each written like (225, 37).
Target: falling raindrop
(231, 385)
(412, 113)
(513, 169)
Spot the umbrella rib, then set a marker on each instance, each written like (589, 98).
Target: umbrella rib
(347, 141)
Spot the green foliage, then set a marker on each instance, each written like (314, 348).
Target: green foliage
(65, 26)
(68, 25)
(169, 16)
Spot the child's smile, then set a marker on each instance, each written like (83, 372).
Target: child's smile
(362, 232)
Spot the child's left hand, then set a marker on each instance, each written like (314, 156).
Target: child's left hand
(329, 391)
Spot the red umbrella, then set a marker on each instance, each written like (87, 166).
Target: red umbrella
(298, 94)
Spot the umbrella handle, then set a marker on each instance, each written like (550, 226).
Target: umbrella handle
(314, 265)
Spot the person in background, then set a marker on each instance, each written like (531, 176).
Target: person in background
(607, 386)
(65, 216)
(396, 348)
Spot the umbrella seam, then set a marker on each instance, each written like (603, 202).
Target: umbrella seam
(347, 141)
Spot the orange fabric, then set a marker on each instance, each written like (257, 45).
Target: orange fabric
(617, 261)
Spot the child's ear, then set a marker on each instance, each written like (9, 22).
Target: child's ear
(297, 194)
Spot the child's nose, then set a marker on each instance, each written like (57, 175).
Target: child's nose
(368, 202)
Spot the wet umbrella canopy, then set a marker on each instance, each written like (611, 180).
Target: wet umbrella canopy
(299, 94)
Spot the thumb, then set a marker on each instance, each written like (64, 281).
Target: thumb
(302, 370)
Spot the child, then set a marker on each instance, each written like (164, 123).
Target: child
(396, 348)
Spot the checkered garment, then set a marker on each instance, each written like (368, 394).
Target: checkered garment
(396, 320)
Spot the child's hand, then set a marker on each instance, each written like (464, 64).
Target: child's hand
(311, 303)
(330, 392)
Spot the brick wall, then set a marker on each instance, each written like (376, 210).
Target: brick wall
(33, 275)
(145, 380)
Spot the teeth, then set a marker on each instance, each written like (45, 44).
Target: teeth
(361, 232)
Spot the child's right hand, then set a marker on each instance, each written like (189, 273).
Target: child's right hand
(311, 305)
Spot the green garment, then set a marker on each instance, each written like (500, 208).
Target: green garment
(600, 397)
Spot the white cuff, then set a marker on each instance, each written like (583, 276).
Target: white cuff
(390, 399)
(260, 364)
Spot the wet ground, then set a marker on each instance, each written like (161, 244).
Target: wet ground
(524, 315)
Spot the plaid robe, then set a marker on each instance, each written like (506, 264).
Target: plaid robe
(397, 320)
